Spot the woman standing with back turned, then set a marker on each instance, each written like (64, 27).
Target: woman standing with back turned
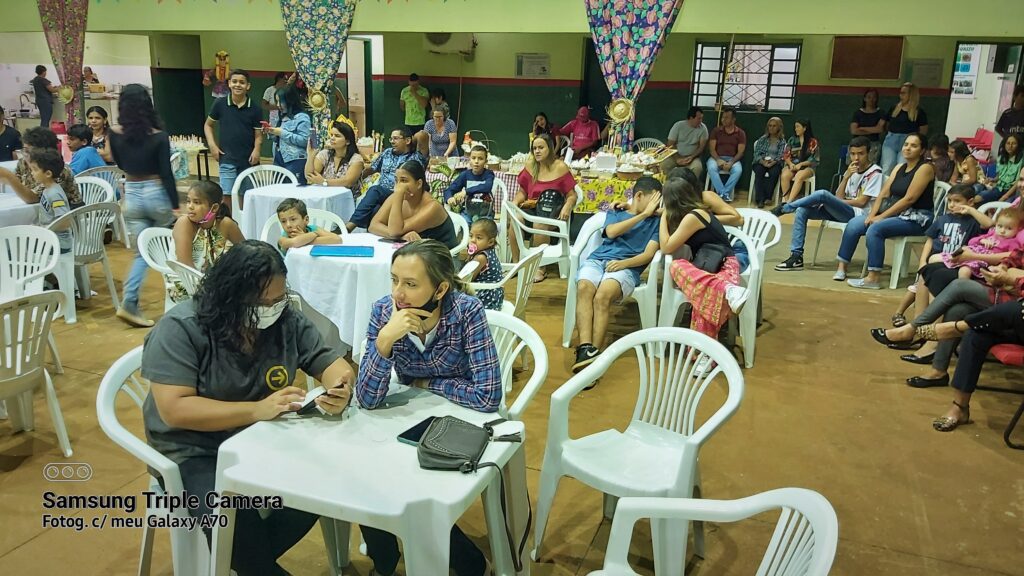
(143, 150)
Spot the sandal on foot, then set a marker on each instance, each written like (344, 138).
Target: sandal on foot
(539, 276)
(898, 320)
(948, 423)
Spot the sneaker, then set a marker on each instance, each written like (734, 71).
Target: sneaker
(839, 276)
(862, 283)
(736, 296)
(794, 263)
(585, 355)
(779, 209)
(702, 366)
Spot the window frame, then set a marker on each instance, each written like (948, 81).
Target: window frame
(696, 85)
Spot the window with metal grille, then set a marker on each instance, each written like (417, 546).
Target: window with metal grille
(759, 77)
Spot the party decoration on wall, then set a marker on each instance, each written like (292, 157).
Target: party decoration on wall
(218, 75)
(628, 35)
(316, 31)
(64, 27)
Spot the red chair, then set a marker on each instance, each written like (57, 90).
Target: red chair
(982, 140)
(1010, 355)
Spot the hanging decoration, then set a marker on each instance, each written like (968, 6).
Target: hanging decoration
(316, 31)
(628, 35)
(218, 75)
(64, 27)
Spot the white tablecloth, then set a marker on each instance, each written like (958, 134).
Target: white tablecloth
(10, 165)
(343, 289)
(261, 203)
(13, 210)
(353, 468)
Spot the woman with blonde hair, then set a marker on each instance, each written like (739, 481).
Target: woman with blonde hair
(769, 151)
(906, 118)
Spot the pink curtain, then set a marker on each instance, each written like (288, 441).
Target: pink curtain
(64, 27)
(628, 34)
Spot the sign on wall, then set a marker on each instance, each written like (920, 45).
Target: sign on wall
(965, 70)
(533, 65)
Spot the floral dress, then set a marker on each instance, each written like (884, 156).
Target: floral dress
(207, 246)
(326, 158)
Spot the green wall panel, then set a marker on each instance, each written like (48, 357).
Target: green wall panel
(178, 95)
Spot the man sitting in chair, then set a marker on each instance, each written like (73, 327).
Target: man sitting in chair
(861, 184)
(726, 146)
(403, 148)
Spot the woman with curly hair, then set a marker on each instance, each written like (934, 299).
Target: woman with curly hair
(141, 148)
(224, 360)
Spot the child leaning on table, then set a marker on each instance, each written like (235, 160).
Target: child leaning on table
(473, 187)
(612, 271)
(296, 229)
(45, 163)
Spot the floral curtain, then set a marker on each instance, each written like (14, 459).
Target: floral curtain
(316, 31)
(64, 27)
(628, 34)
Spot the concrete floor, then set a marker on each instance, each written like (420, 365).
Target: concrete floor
(825, 408)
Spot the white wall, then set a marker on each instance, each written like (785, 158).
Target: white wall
(968, 114)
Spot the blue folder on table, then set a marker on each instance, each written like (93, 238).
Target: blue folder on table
(342, 251)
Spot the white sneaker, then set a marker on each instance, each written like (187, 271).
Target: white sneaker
(839, 276)
(702, 366)
(736, 296)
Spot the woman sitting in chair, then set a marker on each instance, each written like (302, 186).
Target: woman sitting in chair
(411, 213)
(339, 164)
(546, 188)
(203, 233)
(433, 336)
(211, 361)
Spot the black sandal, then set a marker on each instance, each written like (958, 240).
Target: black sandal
(898, 320)
(948, 424)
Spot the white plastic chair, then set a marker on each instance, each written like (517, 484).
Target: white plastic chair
(657, 453)
(512, 338)
(157, 247)
(94, 189)
(809, 187)
(645, 294)
(803, 543)
(115, 178)
(87, 225)
(822, 226)
(523, 223)
(467, 271)
(642, 144)
(903, 245)
(523, 272)
(461, 232)
(189, 277)
(257, 176)
(25, 325)
(27, 255)
(762, 226)
(992, 209)
(320, 218)
(189, 552)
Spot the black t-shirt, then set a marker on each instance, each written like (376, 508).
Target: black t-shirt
(1011, 122)
(950, 232)
(237, 129)
(902, 124)
(43, 95)
(868, 120)
(10, 140)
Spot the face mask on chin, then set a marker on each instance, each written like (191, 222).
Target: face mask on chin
(266, 316)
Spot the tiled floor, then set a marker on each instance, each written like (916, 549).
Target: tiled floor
(824, 408)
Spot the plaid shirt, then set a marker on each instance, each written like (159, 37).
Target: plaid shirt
(763, 147)
(389, 161)
(461, 363)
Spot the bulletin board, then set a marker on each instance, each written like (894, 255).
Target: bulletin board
(867, 57)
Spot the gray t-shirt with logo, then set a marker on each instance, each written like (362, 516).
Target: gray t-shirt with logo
(179, 352)
(687, 137)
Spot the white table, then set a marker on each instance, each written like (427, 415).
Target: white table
(9, 165)
(14, 210)
(261, 203)
(343, 289)
(353, 469)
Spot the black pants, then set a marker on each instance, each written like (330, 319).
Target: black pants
(382, 547)
(258, 543)
(369, 205)
(45, 113)
(1000, 324)
(765, 180)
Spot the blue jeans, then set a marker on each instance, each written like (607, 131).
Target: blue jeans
(145, 205)
(369, 205)
(820, 205)
(991, 194)
(724, 190)
(892, 227)
(892, 149)
(228, 174)
(297, 167)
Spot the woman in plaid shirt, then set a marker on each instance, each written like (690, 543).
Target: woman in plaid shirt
(434, 336)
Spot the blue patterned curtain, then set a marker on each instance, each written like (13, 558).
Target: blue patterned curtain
(316, 31)
(628, 34)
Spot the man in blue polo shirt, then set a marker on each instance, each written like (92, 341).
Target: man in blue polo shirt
(240, 135)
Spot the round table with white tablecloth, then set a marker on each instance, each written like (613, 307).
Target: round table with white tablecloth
(342, 288)
(14, 210)
(9, 165)
(261, 203)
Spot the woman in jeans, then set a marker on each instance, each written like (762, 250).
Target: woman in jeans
(904, 208)
(292, 134)
(140, 148)
(906, 118)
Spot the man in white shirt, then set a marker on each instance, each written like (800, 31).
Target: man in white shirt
(861, 184)
(689, 136)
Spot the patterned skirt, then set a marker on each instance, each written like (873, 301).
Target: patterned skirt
(706, 292)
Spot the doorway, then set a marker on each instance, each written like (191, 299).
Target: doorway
(593, 90)
(358, 68)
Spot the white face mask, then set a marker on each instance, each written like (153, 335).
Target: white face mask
(266, 316)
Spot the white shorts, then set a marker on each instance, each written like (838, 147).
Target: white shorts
(593, 271)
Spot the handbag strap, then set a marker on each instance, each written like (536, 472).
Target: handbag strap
(708, 226)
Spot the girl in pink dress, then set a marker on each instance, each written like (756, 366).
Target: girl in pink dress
(1001, 239)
